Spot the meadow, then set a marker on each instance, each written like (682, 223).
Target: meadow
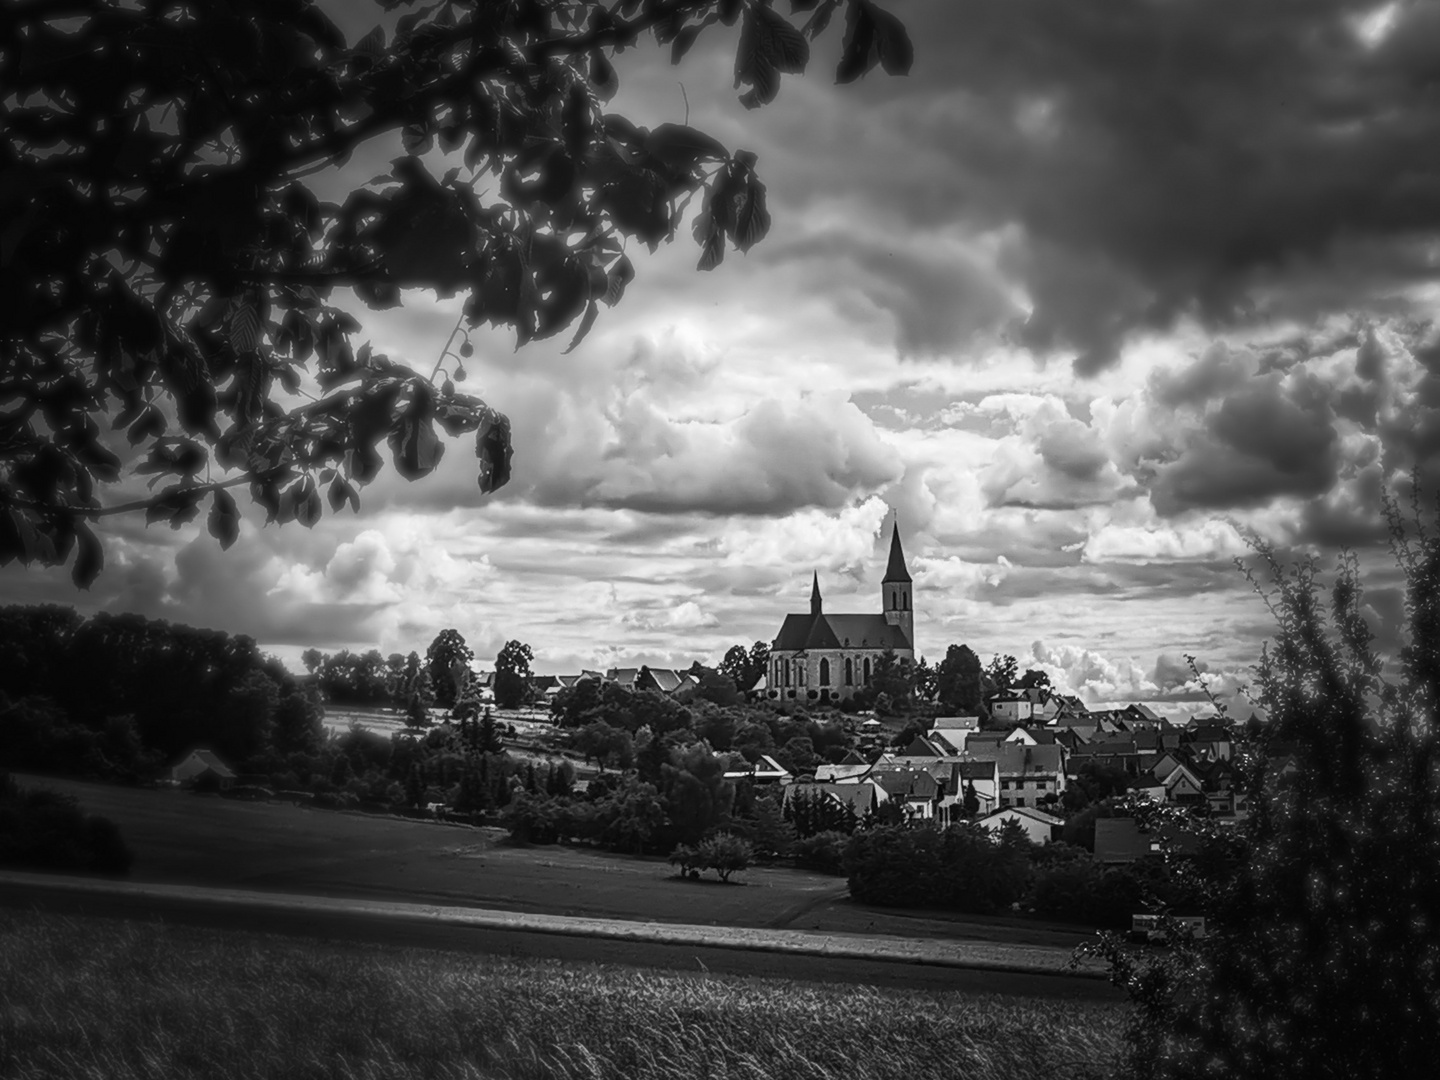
(100, 997)
(181, 838)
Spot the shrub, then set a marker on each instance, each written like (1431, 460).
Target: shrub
(960, 868)
(688, 859)
(43, 830)
(825, 852)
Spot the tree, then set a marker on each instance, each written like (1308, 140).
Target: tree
(958, 681)
(162, 248)
(512, 675)
(972, 799)
(1322, 908)
(1033, 679)
(745, 667)
(445, 660)
(725, 853)
(1000, 674)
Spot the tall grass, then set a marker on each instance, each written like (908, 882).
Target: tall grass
(96, 998)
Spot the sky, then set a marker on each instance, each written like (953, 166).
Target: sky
(1096, 297)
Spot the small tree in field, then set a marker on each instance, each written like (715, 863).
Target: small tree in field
(1323, 957)
(725, 853)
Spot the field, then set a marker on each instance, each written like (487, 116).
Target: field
(182, 838)
(96, 997)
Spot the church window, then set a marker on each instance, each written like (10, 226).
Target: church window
(867, 670)
(849, 672)
(824, 672)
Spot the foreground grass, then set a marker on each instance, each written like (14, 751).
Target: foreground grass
(99, 998)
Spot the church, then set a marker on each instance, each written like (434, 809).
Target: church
(828, 657)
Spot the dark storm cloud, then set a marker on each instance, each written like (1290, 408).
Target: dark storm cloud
(939, 298)
(1259, 444)
(1211, 158)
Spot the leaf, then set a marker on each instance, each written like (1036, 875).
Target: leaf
(681, 147)
(245, 328)
(307, 505)
(340, 493)
(892, 41)
(493, 451)
(416, 448)
(753, 220)
(619, 276)
(224, 518)
(89, 560)
(857, 55)
(785, 47)
(591, 311)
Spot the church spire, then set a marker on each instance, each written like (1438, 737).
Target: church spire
(815, 595)
(896, 570)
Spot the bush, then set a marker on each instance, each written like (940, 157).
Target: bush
(825, 852)
(960, 868)
(43, 830)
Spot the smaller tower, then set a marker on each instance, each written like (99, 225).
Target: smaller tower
(896, 590)
(815, 595)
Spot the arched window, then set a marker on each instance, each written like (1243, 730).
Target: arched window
(824, 672)
(867, 669)
(849, 672)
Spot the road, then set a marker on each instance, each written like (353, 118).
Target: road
(350, 927)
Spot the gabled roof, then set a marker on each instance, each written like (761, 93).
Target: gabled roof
(956, 723)
(907, 783)
(976, 770)
(1022, 811)
(824, 631)
(841, 774)
(1031, 761)
(862, 796)
(852, 758)
(921, 747)
(211, 761)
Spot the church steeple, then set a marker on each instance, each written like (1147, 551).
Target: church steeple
(896, 590)
(815, 595)
(896, 570)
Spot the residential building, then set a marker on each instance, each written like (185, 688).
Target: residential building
(1040, 827)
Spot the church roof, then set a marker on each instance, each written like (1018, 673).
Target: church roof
(823, 631)
(896, 571)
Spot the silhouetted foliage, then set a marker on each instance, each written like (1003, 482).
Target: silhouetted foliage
(163, 252)
(1322, 957)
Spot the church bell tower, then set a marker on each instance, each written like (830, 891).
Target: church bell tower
(896, 590)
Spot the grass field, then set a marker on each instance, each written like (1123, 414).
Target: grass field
(102, 998)
(182, 838)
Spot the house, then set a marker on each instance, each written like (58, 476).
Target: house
(1041, 828)
(1010, 707)
(830, 657)
(984, 776)
(764, 771)
(663, 680)
(951, 732)
(852, 768)
(863, 797)
(916, 790)
(921, 749)
(1029, 775)
(199, 763)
